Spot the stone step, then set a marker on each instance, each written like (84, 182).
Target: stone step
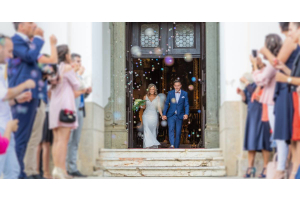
(161, 162)
(164, 171)
(159, 153)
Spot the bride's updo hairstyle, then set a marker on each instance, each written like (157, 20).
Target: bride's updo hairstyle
(150, 86)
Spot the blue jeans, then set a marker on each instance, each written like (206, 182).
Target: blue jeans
(9, 164)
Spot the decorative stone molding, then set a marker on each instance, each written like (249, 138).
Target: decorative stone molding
(115, 112)
(212, 85)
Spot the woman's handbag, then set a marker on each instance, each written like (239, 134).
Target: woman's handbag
(67, 116)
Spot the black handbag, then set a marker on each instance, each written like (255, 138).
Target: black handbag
(67, 116)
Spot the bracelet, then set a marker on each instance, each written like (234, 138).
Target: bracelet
(289, 79)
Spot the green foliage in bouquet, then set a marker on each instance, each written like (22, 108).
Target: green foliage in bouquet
(137, 103)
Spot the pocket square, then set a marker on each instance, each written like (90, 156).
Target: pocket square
(183, 97)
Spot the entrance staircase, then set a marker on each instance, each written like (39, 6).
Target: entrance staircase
(161, 163)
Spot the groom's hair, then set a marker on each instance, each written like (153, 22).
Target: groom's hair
(177, 81)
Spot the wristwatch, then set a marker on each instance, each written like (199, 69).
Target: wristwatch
(289, 79)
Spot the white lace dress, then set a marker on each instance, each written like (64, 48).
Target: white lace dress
(150, 122)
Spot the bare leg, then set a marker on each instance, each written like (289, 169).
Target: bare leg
(293, 148)
(266, 156)
(46, 159)
(63, 147)
(251, 157)
(297, 159)
(55, 146)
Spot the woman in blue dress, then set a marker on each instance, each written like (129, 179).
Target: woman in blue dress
(283, 98)
(257, 132)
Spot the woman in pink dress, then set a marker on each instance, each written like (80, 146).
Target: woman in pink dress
(62, 97)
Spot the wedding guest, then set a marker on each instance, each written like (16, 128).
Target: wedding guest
(257, 131)
(62, 110)
(21, 68)
(9, 164)
(283, 108)
(76, 133)
(30, 159)
(291, 78)
(47, 137)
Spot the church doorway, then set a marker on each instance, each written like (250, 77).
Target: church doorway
(159, 53)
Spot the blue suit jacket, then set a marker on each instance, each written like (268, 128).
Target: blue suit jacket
(24, 64)
(182, 106)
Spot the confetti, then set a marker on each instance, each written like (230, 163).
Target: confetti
(149, 32)
(164, 123)
(188, 57)
(173, 100)
(136, 51)
(169, 60)
(34, 73)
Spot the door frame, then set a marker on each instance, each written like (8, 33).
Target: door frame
(129, 67)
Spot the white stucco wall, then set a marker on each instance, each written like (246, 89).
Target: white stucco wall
(236, 43)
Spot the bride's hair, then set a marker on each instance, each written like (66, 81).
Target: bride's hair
(150, 86)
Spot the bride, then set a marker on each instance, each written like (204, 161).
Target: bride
(150, 117)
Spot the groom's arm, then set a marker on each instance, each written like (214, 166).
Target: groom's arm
(186, 105)
(166, 104)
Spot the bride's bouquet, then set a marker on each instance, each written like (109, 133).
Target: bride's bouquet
(137, 103)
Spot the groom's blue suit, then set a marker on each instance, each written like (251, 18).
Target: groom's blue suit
(175, 114)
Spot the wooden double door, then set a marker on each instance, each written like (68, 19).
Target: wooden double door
(166, 51)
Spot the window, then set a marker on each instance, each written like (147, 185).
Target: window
(149, 35)
(184, 34)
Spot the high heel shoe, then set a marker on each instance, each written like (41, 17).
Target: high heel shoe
(262, 174)
(251, 173)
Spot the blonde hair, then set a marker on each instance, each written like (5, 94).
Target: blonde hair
(150, 86)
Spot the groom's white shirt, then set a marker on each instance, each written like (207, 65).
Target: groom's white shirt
(177, 95)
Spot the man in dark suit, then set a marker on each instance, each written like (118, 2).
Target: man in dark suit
(22, 67)
(178, 110)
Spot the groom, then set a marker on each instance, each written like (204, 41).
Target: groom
(178, 110)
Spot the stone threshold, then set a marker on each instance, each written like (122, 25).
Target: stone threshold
(163, 159)
(161, 150)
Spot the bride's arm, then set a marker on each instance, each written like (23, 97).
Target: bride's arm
(144, 106)
(159, 107)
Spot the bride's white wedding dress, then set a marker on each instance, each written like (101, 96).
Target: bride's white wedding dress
(150, 122)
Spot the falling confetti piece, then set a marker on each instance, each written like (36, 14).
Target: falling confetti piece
(188, 57)
(164, 123)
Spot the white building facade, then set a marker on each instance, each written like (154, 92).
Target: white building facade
(97, 43)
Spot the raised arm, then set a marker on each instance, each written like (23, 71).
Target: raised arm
(53, 56)
(28, 55)
(286, 50)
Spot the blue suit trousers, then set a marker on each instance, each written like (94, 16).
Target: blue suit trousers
(25, 113)
(174, 125)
